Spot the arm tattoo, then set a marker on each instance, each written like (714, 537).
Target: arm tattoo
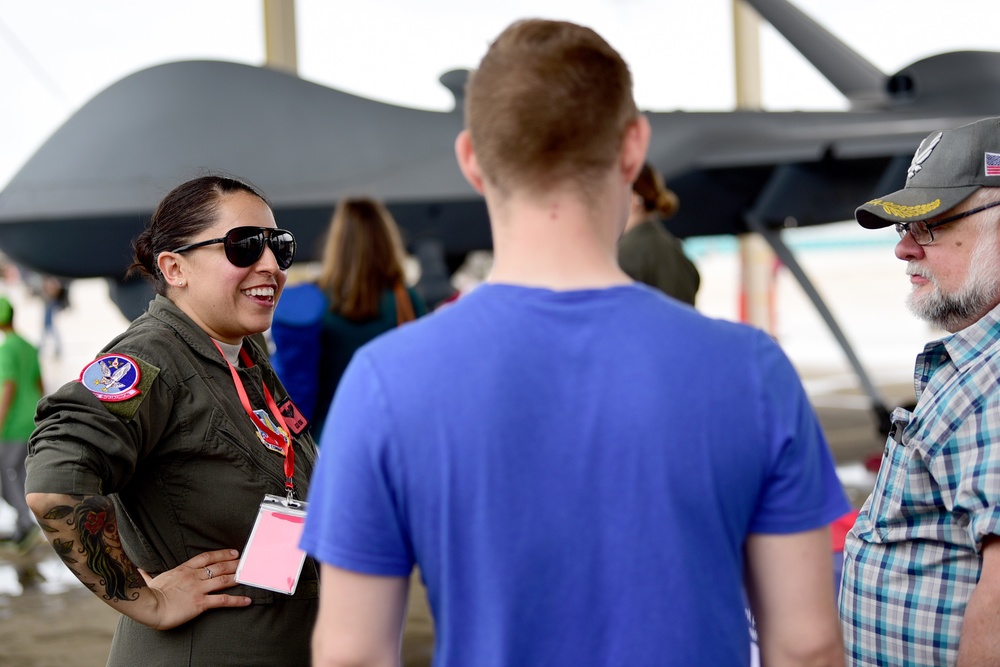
(94, 524)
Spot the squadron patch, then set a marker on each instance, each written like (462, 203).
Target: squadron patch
(269, 439)
(294, 420)
(113, 377)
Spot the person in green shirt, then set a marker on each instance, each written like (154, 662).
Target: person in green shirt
(20, 391)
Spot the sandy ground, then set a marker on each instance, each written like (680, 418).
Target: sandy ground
(46, 624)
(49, 620)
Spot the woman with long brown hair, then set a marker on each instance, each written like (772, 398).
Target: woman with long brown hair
(363, 259)
(364, 284)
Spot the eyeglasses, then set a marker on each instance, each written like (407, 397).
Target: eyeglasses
(245, 245)
(921, 231)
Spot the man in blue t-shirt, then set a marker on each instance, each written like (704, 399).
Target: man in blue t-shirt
(585, 471)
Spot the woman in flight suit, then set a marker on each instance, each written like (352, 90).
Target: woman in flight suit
(647, 251)
(147, 474)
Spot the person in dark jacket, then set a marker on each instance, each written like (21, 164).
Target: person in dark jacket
(647, 251)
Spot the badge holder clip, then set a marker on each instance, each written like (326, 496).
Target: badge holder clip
(272, 559)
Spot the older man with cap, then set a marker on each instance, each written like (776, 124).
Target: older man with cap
(922, 564)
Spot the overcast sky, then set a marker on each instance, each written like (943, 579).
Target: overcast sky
(57, 54)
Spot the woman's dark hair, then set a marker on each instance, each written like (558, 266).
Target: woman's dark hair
(186, 210)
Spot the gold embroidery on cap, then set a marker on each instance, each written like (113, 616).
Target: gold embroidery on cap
(901, 211)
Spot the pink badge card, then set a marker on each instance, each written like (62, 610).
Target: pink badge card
(272, 558)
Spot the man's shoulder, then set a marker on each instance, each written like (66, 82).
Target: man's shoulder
(635, 315)
(14, 346)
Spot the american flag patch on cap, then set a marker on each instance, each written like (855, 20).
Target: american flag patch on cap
(993, 164)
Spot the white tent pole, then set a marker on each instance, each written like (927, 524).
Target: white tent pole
(757, 260)
(281, 47)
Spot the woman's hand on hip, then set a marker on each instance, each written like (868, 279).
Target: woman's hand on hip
(190, 588)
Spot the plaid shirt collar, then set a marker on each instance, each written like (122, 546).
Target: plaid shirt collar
(963, 348)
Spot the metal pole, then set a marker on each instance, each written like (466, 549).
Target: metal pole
(281, 47)
(756, 258)
(773, 237)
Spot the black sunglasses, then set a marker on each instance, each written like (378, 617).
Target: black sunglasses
(245, 245)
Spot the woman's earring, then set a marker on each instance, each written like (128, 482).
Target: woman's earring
(180, 284)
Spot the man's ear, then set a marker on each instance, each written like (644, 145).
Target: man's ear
(467, 162)
(635, 144)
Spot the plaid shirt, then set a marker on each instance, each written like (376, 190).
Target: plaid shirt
(912, 558)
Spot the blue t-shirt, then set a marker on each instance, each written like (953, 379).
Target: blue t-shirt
(575, 473)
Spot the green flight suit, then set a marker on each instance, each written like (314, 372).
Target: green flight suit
(187, 472)
(652, 255)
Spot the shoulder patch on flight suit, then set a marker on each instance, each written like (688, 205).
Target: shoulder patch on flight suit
(119, 381)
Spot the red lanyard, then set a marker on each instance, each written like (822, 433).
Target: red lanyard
(281, 439)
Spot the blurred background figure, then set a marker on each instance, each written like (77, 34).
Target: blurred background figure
(55, 296)
(361, 292)
(20, 391)
(649, 253)
(472, 273)
(435, 284)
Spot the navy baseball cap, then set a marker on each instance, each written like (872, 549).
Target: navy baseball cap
(947, 168)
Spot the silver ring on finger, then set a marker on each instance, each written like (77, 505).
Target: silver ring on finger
(208, 571)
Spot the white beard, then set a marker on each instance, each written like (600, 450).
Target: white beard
(975, 297)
